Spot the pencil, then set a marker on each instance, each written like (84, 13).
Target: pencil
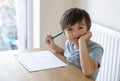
(57, 35)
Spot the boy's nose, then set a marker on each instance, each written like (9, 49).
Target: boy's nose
(76, 32)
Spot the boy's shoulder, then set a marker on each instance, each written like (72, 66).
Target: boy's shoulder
(92, 44)
(68, 43)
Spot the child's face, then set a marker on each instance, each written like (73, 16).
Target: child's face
(74, 32)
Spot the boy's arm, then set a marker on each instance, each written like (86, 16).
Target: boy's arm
(58, 49)
(88, 65)
(50, 42)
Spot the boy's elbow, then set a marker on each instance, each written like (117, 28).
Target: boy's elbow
(87, 73)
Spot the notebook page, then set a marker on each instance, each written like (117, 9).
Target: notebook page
(39, 60)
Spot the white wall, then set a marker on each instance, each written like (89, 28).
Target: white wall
(105, 12)
(51, 12)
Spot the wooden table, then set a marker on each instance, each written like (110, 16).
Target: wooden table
(12, 70)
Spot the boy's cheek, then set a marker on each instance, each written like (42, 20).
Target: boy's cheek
(83, 34)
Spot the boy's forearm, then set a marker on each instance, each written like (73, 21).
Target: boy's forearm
(88, 65)
(58, 49)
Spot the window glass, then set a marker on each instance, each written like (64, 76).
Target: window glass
(16, 24)
(8, 27)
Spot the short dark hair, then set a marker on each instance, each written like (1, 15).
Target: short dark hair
(74, 15)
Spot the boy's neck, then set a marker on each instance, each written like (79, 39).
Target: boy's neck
(75, 46)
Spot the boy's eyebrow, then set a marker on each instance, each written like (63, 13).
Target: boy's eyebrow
(68, 26)
(81, 24)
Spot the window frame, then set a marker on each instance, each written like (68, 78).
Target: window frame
(29, 28)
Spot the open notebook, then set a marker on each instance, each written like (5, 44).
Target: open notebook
(39, 60)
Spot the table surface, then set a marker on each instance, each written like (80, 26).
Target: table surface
(12, 70)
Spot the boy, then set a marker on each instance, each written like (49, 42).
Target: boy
(79, 49)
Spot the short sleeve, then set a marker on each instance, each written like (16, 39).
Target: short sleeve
(96, 53)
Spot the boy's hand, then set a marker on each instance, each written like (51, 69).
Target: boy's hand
(86, 37)
(50, 41)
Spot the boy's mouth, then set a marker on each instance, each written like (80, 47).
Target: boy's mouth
(76, 37)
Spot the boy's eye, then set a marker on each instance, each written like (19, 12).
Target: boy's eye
(80, 27)
(69, 29)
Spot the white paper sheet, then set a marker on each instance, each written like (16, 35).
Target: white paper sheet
(39, 60)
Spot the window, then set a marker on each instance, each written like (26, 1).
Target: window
(13, 23)
(8, 25)
(29, 23)
(19, 24)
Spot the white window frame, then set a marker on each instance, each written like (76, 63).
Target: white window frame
(21, 23)
(33, 29)
(36, 23)
(29, 24)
